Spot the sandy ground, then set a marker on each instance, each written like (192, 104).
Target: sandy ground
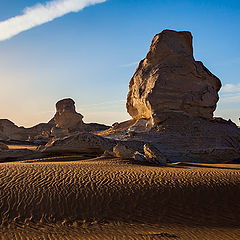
(113, 199)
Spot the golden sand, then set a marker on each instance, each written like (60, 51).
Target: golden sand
(113, 199)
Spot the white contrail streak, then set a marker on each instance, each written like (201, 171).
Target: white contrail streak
(39, 14)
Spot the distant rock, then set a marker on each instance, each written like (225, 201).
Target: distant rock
(66, 117)
(8, 130)
(170, 80)
(67, 121)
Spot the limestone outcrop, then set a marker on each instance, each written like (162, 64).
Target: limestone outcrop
(170, 80)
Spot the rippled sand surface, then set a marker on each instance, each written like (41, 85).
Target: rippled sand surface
(113, 199)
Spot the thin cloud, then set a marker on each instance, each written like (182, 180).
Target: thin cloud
(230, 88)
(40, 14)
(230, 93)
(130, 64)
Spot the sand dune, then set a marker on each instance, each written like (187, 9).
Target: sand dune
(109, 199)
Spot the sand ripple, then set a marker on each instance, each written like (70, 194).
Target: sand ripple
(103, 191)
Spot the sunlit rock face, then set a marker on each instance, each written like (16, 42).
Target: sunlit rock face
(170, 80)
(66, 116)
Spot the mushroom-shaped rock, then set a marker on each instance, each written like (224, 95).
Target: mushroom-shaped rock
(170, 80)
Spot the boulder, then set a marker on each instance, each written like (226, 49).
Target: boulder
(80, 143)
(154, 155)
(122, 151)
(139, 157)
(170, 80)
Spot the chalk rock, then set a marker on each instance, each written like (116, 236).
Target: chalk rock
(122, 151)
(154, 155)
(139, 157)
(170, 80)
(141, 125)
(66, 116)
(80, 143)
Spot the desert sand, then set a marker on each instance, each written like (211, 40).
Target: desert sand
(103, 198)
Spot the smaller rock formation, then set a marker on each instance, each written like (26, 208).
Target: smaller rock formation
(66, 117)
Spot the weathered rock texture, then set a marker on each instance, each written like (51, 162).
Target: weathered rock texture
(123, 151)
(66, 116)
(170, 80)
(80, 143)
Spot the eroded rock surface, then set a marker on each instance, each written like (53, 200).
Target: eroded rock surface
(80, 143)
(170, 80)
(123, 151)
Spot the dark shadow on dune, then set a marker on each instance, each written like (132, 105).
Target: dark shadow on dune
(185, 165)
(157, 235)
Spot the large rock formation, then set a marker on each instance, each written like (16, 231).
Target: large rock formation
(171, 99)
(66, 116)
(170, 80)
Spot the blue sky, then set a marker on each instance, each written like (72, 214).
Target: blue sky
(92, 54)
